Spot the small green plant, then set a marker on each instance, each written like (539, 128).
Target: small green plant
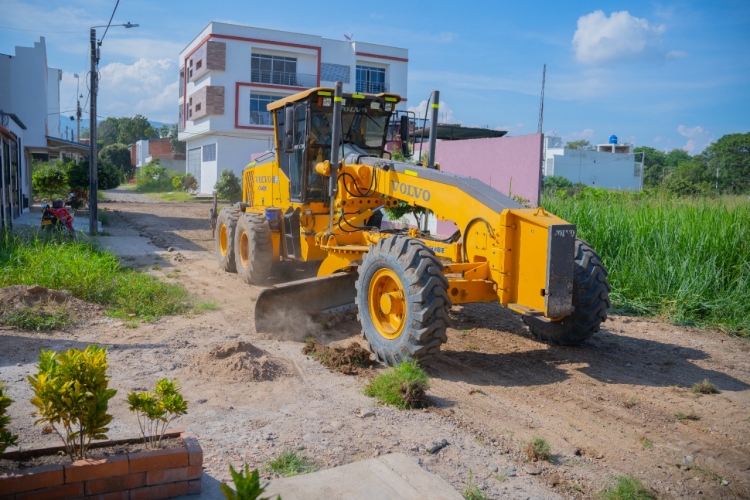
(704, 387)
(71, 394)
(402, 386)
(291, 463)
(647, 443)
(177, 181)
(36, 318)
(630, 402)
(247, 484)
(206, 306)
(538, 449)
(472, 491)
(104, 218)
(155, 268)
(6, 438)
(687, 416)
(156, 410)
(626, 488)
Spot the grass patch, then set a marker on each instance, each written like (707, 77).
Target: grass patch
(626, 488)
(36, 318)
(684, 259)
(687, 416)
(472, 491)
(402, 386)
(538, 449)
(89, 274)
(206, 306)
(630, 402)
(173, 196)
(290, 463)
(155, 268)
(646, 443)
(704, 387)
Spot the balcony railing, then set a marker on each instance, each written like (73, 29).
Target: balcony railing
(261, 118)
(371, 87)
(282, 78)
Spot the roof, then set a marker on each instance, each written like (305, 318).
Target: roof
(64, 145)
(15, 118)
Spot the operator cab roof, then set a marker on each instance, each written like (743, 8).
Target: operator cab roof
(327, 91)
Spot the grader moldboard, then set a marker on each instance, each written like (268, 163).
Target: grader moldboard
(313, 198)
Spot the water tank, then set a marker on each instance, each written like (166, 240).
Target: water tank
(613, 139)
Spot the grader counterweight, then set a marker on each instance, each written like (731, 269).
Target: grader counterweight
(313, 199)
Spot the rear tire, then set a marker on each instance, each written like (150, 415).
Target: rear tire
(590, 299)
(253, 252)
(402, 299)
(226, 224)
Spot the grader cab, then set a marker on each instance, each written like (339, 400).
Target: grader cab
(313, 199)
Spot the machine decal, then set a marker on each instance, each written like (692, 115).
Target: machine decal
(411, 191)
(267, 179)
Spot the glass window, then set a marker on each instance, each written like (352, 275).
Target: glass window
(277, 70)
(259, 114)
(370, 80)
(209, 152)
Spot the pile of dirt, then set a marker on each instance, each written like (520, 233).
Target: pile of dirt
(18, 297)
(236, 360)
(350, 360)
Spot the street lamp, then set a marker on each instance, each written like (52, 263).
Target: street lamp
(93, 172)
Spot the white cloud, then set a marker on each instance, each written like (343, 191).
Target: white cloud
(676, 54)
(510, 128)
(585, 134)
(446, 36)
(600, 39)
(698, 138)
(445, 113)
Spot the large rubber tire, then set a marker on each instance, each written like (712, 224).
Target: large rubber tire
(590, 299)
(424, 299)
(226, 225)
(253, 253)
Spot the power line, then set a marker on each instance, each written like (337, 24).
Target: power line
(110, 21)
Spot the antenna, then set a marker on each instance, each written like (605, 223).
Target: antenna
(349, 37)
(541, 104)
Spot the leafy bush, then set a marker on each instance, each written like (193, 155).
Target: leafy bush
(71, 394)
(6, 438)
(109, 176)
(154, 178)
(156, 410)
(177, 181)
(117, 155)
(247, 484)
(538, 449)
(402, 386)
(185, 182)
(626, 488)
(49, 180)
(555, 182)
(228, 188)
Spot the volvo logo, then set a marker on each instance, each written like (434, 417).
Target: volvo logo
(266, 179)
(411, 191)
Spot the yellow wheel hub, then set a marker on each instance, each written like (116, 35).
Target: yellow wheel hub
(387, 303)
(223, 240)
(244, 249)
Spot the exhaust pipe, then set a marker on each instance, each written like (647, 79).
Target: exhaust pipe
(433, 128)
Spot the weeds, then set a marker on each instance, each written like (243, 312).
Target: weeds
(247, 484)
(630, 402)
(687, 416)
(155, 268)
(472, 491)
(646, 443)
(538, 449)
(402, 386)
(704, 387)
(626, 488)
(206, 306)
(290, 463)
(36, 318)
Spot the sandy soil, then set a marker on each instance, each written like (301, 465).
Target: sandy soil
(607, 408)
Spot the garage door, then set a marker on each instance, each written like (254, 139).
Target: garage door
(194, 165)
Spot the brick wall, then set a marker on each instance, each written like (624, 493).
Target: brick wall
(148, 475)
(132, 155)
(211, 56)
(208, 100)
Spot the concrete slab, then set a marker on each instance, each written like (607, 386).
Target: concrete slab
(392, 476)
(128, 246)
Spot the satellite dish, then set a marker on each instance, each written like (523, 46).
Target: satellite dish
(349, 37)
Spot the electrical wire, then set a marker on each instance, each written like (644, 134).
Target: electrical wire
(110, 22)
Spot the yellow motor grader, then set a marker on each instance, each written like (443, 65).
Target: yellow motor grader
(313, 199)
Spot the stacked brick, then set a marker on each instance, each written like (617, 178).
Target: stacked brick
(148, 475)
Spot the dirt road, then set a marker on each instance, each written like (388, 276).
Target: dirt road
(608, 408)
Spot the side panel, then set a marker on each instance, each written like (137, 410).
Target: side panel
(558, 299)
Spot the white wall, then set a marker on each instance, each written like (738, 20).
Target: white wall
(53, 102)
(28, 89)
(597, 169)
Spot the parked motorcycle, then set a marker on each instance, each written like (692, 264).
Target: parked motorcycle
(57, 218)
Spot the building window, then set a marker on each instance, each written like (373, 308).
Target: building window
(182, 81)
(209, 152)
(274, 69)
(371, 80)
(259, 114)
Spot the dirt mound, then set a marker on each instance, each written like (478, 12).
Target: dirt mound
(350, 360)
(236, 360)
(18, 297)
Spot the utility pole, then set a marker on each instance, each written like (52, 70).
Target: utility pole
(93, 172)
(541, 102)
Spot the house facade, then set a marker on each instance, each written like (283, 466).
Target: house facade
(143, 151)
(230, 73)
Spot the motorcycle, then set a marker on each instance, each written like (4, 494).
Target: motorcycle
(57, 218)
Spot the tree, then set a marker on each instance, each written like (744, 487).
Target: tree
(77, 176)
(653, 165)
(228, 188)
(108, 131)
(117, 155)
(689, 178)
(164, 131)
(135, 129)
(178, 147)
(675, 157)
(555, 182)
(730, 157)
(48, 180)
(582, 144)
(85, 133)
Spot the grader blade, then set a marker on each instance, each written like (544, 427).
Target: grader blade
(288, 305)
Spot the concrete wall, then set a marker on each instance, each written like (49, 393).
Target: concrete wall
(54, 76)
(28, 91)
(598, 169)
(511, 165)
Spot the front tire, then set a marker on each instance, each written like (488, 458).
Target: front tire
(253, 252)
(226, 225)
(402, 299)
(590, 299)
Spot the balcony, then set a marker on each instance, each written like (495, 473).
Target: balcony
(366, 87)
(283, 78)
(261, 118)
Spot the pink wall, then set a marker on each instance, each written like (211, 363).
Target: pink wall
(497, 162)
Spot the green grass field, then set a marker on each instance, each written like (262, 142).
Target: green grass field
(686, 260)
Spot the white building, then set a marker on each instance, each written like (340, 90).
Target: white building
(611, 166)
(29, 124)
(230, 73)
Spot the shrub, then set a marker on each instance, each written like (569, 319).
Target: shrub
(247, 484)
(77, 176)
(538, 449)
(705, 387)
(290, 463)
(117, 155)
(71, 394)
(190, 183)
(49, 181)
(6, 438)
(156, 410)
(153, 178)
(555, 182)
(626, 488)
(109, 176)
(228, 188)
(402, 386)
(36, 318)
(177, 181)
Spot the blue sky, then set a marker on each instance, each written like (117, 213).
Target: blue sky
(666, 75)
